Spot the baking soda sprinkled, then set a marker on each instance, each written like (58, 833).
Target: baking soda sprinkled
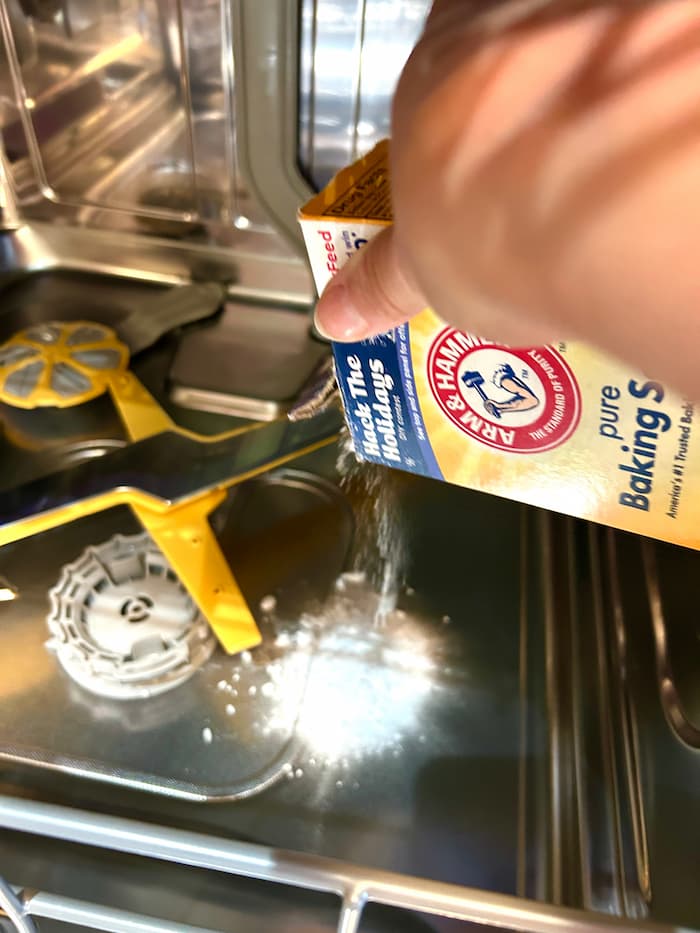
(380, 551)
(268, 604)
(351, 679)
(363, 689)
(352, 577)
(344, 686)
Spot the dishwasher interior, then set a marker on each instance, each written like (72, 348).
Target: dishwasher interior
(506, 737)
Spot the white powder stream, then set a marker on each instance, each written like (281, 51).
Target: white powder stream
(380, 553)
(351, 680)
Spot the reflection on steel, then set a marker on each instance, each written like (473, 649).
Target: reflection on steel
(8, 591)
(107, 102)
(630, 729)
(352, 52)
(671, 700)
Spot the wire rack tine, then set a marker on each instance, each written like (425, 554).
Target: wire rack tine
(351, 911)
(68, 910)
(15, 909)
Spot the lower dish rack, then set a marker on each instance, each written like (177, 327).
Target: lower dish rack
(353, 888)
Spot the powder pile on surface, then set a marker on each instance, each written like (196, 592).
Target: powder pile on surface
(344, 687)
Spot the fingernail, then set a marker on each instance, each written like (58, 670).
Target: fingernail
(336, 317)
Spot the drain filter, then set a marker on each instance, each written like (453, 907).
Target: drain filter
(122, 624)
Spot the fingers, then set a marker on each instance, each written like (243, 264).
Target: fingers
(372, 294)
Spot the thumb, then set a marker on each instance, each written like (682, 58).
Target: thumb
(372, 294)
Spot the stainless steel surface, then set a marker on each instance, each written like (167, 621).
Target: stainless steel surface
(136, 86)
(473, 802)
(181, 118)
(653, 585)
(627, 808)
(590, 751)
(249, 273)
(674, 639)
(164, 196)
(452, 718)
(352, 52)
(252, 362)
(126, 122)
(160, 743)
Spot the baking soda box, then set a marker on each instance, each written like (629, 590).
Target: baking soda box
(562, 427)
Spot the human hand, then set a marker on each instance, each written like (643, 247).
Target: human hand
(546, 183)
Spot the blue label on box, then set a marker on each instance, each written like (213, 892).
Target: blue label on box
(381, 405)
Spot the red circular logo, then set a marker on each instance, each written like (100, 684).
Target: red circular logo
(520, 400)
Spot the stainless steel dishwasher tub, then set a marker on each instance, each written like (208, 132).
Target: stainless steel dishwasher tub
(550, 761)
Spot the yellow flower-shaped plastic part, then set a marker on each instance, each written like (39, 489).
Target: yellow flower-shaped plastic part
(60, 364)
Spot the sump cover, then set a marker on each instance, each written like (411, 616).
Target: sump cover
(122, 624)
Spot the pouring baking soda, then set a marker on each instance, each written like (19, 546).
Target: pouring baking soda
(563, 427)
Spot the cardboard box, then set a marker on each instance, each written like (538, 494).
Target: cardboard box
(562, 427)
